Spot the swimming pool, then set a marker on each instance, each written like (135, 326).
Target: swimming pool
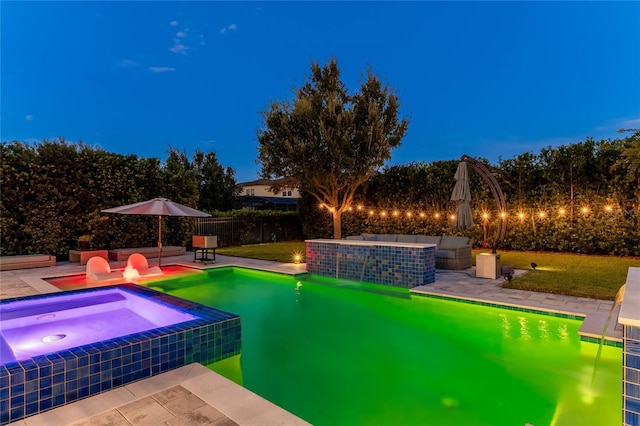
(337, 352)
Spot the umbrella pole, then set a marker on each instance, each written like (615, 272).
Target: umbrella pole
(159, 240)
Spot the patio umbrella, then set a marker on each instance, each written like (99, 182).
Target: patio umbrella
(160, 207)
(462, 194)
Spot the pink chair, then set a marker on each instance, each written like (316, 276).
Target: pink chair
(140, 263)
(98, 270)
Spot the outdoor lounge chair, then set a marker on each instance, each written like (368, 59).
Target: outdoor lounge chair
(98, 270)
(138, 262)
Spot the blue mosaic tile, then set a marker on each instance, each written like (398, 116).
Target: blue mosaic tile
(389, 265)
(633, 390)
(632, 347)
(632, 333)
(632, 361)
(632, 404)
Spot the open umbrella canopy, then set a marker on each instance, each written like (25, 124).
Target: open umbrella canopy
(158, 207)
(462, 194)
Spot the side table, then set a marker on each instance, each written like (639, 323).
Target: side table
(204, 254)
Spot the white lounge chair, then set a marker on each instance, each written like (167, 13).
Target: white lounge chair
(138, 262)
(98, 270)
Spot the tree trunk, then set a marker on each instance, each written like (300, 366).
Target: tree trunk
(337, 225)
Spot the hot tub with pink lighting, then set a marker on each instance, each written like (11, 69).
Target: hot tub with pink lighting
(61, 347)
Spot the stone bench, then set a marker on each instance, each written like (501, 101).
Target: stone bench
(148, 252)
(26, 261)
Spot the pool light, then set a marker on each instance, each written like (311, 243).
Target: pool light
(53, 338)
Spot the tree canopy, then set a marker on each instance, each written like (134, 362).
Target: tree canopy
(329, 141)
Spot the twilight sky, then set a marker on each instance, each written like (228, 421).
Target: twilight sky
(486, 79)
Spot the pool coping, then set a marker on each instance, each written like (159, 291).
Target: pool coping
(234, 401)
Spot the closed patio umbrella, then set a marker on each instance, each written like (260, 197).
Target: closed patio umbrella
(462, 194)
(160, 207)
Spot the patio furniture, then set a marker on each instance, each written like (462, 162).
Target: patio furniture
(83, 256)
(140, 264)
(26, 261)
(148, 252)
(204, 244)
(98, 270)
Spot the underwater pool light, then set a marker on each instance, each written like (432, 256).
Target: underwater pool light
(53, 338)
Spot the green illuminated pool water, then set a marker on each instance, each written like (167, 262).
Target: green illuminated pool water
(342, 353)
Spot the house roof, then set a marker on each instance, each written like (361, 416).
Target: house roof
(268, 182)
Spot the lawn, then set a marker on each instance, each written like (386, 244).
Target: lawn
(598, 277)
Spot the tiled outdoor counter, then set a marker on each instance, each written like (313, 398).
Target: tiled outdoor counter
(396, 264)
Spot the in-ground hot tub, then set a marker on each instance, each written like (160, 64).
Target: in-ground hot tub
(58, 348)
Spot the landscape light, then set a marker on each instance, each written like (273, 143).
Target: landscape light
(542, 215)
(396, 213)
(408, 214)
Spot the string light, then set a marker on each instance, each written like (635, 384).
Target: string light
(485, 215)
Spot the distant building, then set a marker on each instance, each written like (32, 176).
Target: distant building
(258, 195)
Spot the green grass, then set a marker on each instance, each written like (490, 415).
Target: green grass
(279, 252)
(598, 277)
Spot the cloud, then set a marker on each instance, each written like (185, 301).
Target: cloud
(173, 23)
(28, 117)
(128, 63)
(231, 27)
(178, 47)
(181, 34)
(635, 122)
(161, 69)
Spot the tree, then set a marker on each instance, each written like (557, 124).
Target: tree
(330, 142)
(216, 185)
